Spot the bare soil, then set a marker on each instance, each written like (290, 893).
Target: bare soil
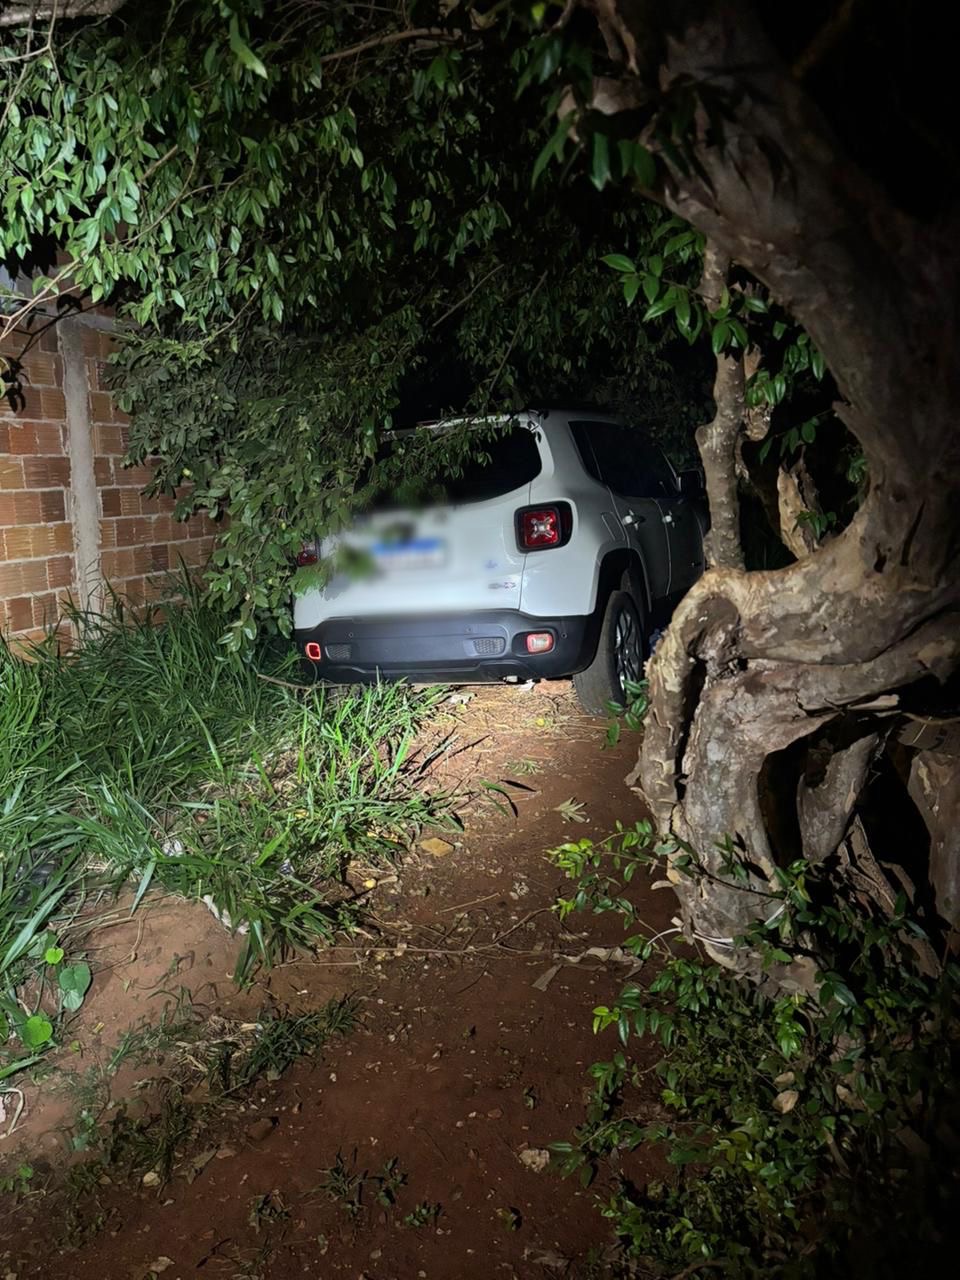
(461, 1070)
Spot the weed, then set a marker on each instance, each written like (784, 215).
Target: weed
(344, 1184)
(267, 1210)
(151, 753)
(523, 767)
(424, 1214)
(389, 1182)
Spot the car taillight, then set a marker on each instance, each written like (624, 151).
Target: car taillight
(539, 528)
(307, 554)
(539, 642)
(313, 651)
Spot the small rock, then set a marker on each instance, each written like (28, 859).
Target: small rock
(495, 1114)
(261, 1128)
(783, 1079)
(224, 1153)
(786, 1101)
(437, 847)
(151, 1179)
(161, 1264)
(535, 1159)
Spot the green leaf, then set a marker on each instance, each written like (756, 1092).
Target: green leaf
(53, 955)
(619, 262)
(36, 1031)
(245, 55)
(75, 979)
(718, 338)
(600, 161)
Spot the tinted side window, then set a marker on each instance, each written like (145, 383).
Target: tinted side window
(624, 459)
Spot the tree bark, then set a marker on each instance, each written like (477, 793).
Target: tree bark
(755, 662)
(717, 440)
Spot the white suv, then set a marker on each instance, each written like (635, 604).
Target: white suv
(556, 548)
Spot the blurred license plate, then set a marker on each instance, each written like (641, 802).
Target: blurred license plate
(422, 553)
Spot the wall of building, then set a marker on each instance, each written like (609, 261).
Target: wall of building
(72, 517)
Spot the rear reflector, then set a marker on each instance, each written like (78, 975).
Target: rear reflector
(539, 642)
(313, 651)
(307, 555)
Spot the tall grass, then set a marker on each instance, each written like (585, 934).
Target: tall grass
(149, 752)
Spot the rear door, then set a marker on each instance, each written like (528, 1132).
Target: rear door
(455, 557)
(611, 454)
(679, 517)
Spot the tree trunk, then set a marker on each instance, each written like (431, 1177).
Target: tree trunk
(754, 663)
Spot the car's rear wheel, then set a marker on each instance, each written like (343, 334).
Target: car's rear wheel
(621, 652)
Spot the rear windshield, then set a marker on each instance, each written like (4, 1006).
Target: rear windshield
(503, 463)
(498, 465)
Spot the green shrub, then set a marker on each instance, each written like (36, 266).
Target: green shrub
(803, 1134)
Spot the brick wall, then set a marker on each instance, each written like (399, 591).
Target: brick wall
(72, 517)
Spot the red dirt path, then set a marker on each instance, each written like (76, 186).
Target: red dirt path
(458, 1065)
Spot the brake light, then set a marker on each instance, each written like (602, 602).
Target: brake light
(307, 554)
(539, 528)
(313, 651)
(539, 642)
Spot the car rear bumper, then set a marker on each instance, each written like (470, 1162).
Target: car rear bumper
(460, 649)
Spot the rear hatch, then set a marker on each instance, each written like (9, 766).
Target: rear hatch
(456, 557)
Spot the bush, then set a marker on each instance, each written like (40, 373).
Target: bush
(803, 1134)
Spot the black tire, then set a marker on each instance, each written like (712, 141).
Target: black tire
(617, 656)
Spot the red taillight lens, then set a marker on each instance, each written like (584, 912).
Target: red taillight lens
(313, 651)
(307, 554)
(539, 642)
(547, 526)
(540, 527)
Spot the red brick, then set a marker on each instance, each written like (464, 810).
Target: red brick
(108, 439)
(159, 557)
(110, 502)
(20, 613)
(17, 542)
(11, 473)
(60, 571)
(33, 576)
(59, 537)
(52, 506)
(46, 609)
(52, 404)
(36, 438)
(101, 406)
(134, 590)
(108, 533)
(46, 473)
(129, 502)
(42, 370)
(20, 507)
(116, 565)
(140, 476)
(103, 470)
(11, 580)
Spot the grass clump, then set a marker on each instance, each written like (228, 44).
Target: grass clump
(151, 752)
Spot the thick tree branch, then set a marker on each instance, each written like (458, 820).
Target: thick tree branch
(717, 440)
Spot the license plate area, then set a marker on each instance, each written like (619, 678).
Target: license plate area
(419, 553)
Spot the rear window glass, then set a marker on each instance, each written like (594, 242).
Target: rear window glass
(501, 464)
(498, 465)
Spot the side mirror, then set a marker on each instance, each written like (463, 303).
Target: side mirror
(691, 483)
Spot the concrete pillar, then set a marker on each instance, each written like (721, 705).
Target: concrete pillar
(84, 507)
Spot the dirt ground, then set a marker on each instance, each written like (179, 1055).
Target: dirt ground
(467, 1059)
